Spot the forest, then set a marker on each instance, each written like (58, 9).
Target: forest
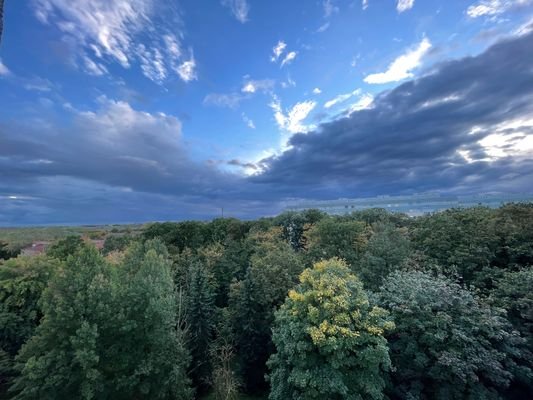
(369, 305)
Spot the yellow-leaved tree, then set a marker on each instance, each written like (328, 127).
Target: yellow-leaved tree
(329, 339)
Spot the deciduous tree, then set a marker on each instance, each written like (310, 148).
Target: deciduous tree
(329, 339)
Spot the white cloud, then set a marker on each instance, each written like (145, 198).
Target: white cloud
(230, 100)
(152, 64)
(402, 66)
(262, 85)
(173, 45)
(341, 97)
(491, 8)
(119, 31)
(93, 68)
(364, 4)
(187, 70)
(289, 58)
(239, 9)
(365, 101)
(317, 91)
(4, 71)
(249, 123)
(116, 124)
(292, 120)
(278, 50)
(404, 5)
(525, 28)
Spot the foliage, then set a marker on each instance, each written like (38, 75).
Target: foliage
(461, 240)
(273, 271)
(447, 345)
(333, 237)
(329, 339)
(223, 229)
(107, 332)
(22, 281)
(178, 236)
(200, 319)
(373, 216)
(116, 243)
(65, 247)
(514, 292)
(18, 238)
(5, 252)
(515, 233)
(386, 250)
(200, 306)
(231, 265)
(295, 225)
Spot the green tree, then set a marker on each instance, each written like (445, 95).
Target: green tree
(273, 271)
(514, 228)
(200, 312)
(372, 216)
(447, 345)
(514, 293)
(337, 237)
(229, 266)
(293, 226)
(6, 253)
(179, 236)
(116, 243)
(65, 247)
(224, 380)
(22, 281)
(222, 229)
(462, 241)
(107, 332)
(329, 339)
(387, 249)
(155, 357)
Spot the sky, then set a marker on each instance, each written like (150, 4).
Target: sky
(116, 111)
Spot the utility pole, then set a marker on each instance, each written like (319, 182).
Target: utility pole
(221, 208)
(1, 19)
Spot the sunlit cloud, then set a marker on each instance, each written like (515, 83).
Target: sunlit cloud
(401, 68)
(289, 58)
(491, 8)
(404, 5)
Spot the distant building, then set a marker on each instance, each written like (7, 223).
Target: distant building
(416, 204)
(35, 248)
(40, 247)
(98, 243)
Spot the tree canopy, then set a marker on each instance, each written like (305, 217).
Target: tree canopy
(329, 339)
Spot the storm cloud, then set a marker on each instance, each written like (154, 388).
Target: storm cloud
(464, 127)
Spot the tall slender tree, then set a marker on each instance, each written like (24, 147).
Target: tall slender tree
(200, 311)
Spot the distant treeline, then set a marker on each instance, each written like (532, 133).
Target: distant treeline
(371, 305)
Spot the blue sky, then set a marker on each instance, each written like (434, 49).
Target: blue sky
(138, 110)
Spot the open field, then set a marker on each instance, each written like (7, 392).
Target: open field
(18, 238)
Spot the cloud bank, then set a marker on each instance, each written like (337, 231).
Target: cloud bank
(466, 127)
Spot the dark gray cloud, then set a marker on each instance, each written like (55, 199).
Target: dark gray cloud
(461, 128)
(411, 139)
